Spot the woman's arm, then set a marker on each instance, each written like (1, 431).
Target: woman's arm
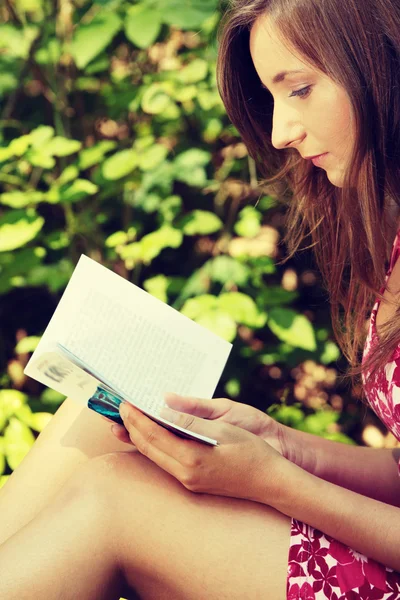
(371, 472)
(368, 526)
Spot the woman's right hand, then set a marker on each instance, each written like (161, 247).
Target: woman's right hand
(229, 411)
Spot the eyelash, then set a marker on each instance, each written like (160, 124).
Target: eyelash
(299, 94)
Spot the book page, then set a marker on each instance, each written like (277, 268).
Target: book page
(137, 344)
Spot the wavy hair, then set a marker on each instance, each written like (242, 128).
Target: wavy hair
(357, 44)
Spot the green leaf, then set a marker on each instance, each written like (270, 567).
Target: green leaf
(61, 146)
(242, 309)
(292, 416)
(200, 222)
(157, 286)
(193, 72)
(142, 25)
(120, 164)
(15, 41)
(152, 157)
(318, 422)
(17, 228)
(156, 99)
(189, 167)
(40, 420)
(11, 401)
(249, 223)
(27, 344)
(51, 397)
(37, 158)
(55, 277)
(17, 264)
(79, 189)
(220, 324)
(19, 199)
(92, 38)
(224, 269)
(18, 440)
(195, 307)
(190, 159)
(88, 157)
(41, 135)
(170, 207)
(152, 244)
(274, 295)
(187, 14)
(18, 146)
(338, 436)
(331, 353)
(118, 238)
(70, 173)
(292, 328)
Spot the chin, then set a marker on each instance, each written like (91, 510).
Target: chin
(335, 179)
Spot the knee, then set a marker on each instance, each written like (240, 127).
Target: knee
(96, 481)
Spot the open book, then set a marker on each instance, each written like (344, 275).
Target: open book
(110, 341)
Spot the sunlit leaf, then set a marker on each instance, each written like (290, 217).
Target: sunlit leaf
(120, 164)
(18, 440)
(92, 38)
(60, 146)
(152, 157)
(88, 157)
(249, 222)
(242, 309)
(142, 25)
(200, 222)
(219, 323)
(194, 307)
(17, 228)
(292, 328)
(27, 344)
(194, 72)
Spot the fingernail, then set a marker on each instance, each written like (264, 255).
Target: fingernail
(123, 410)
(171, 396)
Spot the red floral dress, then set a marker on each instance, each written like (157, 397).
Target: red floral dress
(319, 566)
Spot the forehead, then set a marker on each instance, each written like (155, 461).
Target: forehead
(268, 50)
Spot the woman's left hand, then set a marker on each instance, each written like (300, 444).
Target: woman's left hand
(243, 465)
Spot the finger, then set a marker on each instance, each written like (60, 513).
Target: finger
(158, 444)
(199, 407)
(121, 433)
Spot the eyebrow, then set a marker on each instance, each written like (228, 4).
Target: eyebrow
(281, 76)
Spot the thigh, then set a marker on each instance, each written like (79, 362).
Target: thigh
(180, 545)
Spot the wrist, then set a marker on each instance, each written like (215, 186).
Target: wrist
(295, 449)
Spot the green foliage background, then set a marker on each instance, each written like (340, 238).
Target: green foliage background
(114, 142)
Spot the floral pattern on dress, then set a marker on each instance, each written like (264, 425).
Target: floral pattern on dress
(319, 566)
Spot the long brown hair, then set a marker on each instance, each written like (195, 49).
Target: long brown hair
(357, 44)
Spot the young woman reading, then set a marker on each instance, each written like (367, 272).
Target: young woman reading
(271, 512)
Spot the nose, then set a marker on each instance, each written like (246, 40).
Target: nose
(287, 130)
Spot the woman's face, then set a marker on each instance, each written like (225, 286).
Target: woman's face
(312, 113)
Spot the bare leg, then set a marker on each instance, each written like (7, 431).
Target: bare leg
(120, 518)
(74, 435)
(65, 552)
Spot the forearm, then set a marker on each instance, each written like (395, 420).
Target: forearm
(368, 471)
(365, 525)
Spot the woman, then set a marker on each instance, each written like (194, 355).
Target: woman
(271, 512)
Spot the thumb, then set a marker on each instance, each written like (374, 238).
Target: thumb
(199, 407)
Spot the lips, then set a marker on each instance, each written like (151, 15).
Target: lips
(319, 159)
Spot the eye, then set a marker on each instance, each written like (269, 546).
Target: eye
(303, 93)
